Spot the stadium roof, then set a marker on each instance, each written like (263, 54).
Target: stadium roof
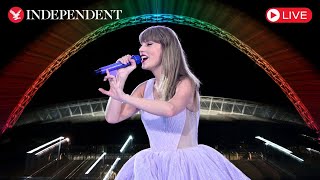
(211, 108)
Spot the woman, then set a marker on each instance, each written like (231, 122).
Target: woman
(169, 105)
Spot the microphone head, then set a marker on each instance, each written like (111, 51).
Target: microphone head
(137, 58)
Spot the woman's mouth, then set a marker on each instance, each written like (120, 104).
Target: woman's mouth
(144, 58)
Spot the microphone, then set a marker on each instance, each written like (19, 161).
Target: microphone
(116, 66)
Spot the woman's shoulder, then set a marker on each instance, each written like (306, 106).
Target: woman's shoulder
(186, 81)
(187, 84)
(144, 83)
(141, 87)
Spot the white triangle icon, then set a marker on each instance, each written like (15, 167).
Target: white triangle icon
(273, 15)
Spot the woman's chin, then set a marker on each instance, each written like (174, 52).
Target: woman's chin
(144, 67)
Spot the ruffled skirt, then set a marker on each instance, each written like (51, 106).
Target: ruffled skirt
(200, 162)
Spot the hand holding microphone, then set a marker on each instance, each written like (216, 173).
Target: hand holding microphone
(121, 63)
(125, 65)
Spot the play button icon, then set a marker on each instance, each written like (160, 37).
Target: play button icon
(273, 15)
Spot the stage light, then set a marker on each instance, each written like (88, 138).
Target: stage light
(313, 150)
(125, 144)
(51, 147)
(95, 163)
(111, 168)
(280, 148)
(44, 145)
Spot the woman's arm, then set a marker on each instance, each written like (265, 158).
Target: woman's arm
(117, 111)
(183, 96)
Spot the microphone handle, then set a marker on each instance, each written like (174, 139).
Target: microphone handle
(116, 66)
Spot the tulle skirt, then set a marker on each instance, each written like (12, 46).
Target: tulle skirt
(200, 162)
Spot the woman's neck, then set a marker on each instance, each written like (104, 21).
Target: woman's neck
(157, 75)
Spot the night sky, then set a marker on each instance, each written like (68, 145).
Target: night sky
(223, 70)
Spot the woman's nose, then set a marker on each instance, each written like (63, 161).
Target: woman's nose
(141, 49)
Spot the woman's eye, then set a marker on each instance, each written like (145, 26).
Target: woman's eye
(149, 44)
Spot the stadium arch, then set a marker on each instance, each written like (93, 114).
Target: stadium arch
(64, 39)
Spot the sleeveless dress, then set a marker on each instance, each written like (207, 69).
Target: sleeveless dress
(174, 152)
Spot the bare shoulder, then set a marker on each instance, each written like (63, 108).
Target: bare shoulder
(139, 90)
(186, 83)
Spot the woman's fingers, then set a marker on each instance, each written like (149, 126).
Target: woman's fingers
(109, 76)
(124, 59)
(103, 91)
(133, 62)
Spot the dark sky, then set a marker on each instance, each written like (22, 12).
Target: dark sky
(232, 74)
(223, 70)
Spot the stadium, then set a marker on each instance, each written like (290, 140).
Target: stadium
(259, 89)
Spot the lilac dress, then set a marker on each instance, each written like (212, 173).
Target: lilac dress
(174, 152)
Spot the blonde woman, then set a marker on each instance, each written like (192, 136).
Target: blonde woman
(169, 105)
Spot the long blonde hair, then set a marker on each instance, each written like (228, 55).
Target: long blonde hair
(174, 62)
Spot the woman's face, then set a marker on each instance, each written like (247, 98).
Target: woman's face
(150, 53)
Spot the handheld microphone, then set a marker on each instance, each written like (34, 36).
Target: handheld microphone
(116, 66)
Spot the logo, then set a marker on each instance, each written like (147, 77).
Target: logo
(289, 15)
(16, 14)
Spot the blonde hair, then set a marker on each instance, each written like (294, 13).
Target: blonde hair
(174, 62)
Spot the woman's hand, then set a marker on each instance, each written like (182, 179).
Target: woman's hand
(117, 83)
(123, 73)
(116, 87)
